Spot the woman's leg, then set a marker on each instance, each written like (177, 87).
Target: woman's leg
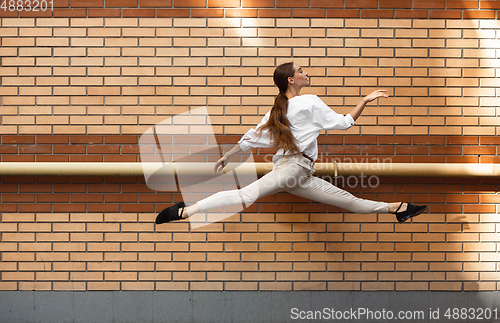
(279, 179)
(296, 182)
(319, 190)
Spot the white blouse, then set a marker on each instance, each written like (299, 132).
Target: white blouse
(308, 115)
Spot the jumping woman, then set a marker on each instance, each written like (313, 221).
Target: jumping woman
(293, 125)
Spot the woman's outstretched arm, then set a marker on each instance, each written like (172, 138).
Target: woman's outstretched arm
(356, 112)
(221, 163)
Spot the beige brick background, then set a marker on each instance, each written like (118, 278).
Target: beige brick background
(57, 74)
(85, 89)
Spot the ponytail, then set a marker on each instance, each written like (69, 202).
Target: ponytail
(278, 125)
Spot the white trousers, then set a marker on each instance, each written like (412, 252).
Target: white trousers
(293, 173)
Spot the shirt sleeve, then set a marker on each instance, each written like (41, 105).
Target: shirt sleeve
(252, 140)
(327, 119)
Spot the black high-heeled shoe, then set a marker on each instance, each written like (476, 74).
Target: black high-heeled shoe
(411, 211)
(171, 213)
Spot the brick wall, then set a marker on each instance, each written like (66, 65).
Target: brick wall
(85, 89)
(416, 9)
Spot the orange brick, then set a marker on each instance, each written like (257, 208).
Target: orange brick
(445, 286)
(52, 276)
(73, 286)
(138, 285)
(103, 286)
(411, 286)
(18, 256)
(18, 42)
(18, 61)
(18, 276)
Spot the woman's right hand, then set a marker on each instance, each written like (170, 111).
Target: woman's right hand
(221, 163)
(375, 95)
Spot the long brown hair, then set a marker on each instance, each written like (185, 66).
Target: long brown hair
(278, 125)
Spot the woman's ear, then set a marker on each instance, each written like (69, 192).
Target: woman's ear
(290, 80)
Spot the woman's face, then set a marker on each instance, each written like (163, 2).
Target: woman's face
(299, 78)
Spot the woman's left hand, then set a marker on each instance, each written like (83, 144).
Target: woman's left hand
(375, 95)
(221, 163)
